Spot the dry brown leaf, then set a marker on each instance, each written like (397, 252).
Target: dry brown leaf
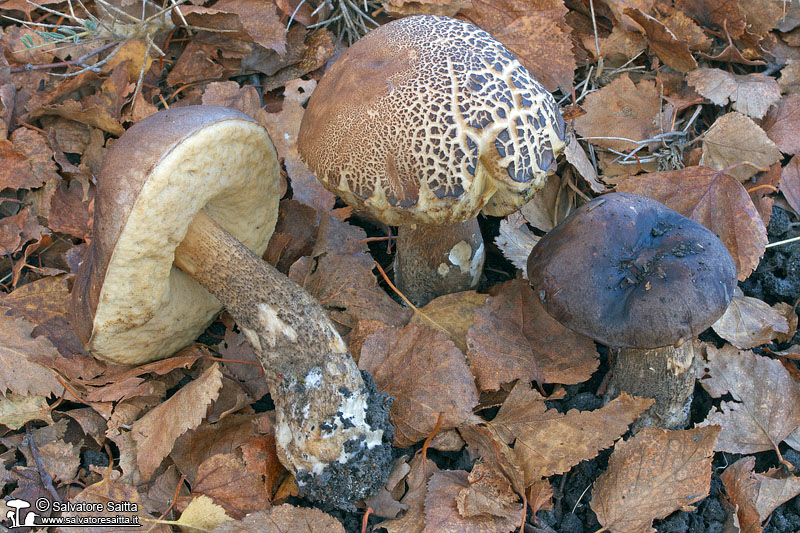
(576, 156)
(60, 459)
(452, 314)
(735, 138)
(489, 494)
(260, 454)
(548, 56)
(485, 443)
(751, 94)
(197, 445)
(282, 519)
(284, 127)
(416, 490)
(620, 46)
(91, 114)
(549, 442)
(749, 322)
(756, 495)
(762, 15)
(225, 479)
(18, 373)
(663, 42)
(106, 491)
(685, 28)
(441, 509)
(404, 8)
(717, 15)
(790, 183)
(514, 338)
(766, 400)
(16, 410)
(540, 496)
(621, 109)
(17, 230)
(385, 503)
(550, 205)
(652, 475)
(155, 433)
(70, 209)
(516, 241)
(716, 201)
(245, 20)
(239, 353)
(229, 94)
(782, 124)
(787, 312)
(426, 374)
(294, 236)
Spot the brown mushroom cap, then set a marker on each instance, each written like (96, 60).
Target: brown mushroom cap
(429, 119)
(130, 304)
(628, 271)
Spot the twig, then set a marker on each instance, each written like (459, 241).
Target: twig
(47, 480)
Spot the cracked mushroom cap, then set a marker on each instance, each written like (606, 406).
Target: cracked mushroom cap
(629, 272)
(130, 304)
(429, 119)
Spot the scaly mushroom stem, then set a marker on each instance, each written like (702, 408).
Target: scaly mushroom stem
(664, 374)
(436, 260)
(332, 429)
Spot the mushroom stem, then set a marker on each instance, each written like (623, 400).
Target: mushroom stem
(664, 374)
(332, 428)
(436, 260)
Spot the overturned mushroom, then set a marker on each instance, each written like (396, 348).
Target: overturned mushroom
(633, 274)
(424, 122)
(186, 199)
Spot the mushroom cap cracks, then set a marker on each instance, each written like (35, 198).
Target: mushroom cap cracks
(628, 271)
(429, 119)
(130, 304)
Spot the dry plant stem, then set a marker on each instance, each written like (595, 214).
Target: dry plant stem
(436, 260)
(327, 423)
(664, 374)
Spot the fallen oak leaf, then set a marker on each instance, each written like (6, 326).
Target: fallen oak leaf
(653, 474)
(514, 338)
(426, 374)
(766, 400)
(284, 518)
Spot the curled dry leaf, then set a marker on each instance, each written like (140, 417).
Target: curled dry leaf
(18, 373)
(716, 201)
(766, 400)
(441, 508)
(718, 15)
(576, 156)
(652, 475)
(549, 442)
(629, 109)
(751, 94)
(70, 209)
(749, 322)
(787, 312)
(734, 138)
(782, 124)
(756, 495)
(489, 494)
(663, 42)
(550, 205)
(516, 241)
(426, 374)
(155, 433)
(284, 518)
(452, 314)
(416, 490)
(245, 20)
(513, 337)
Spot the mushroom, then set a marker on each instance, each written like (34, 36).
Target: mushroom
(422, 123)
(633, 274)
(186, 201)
